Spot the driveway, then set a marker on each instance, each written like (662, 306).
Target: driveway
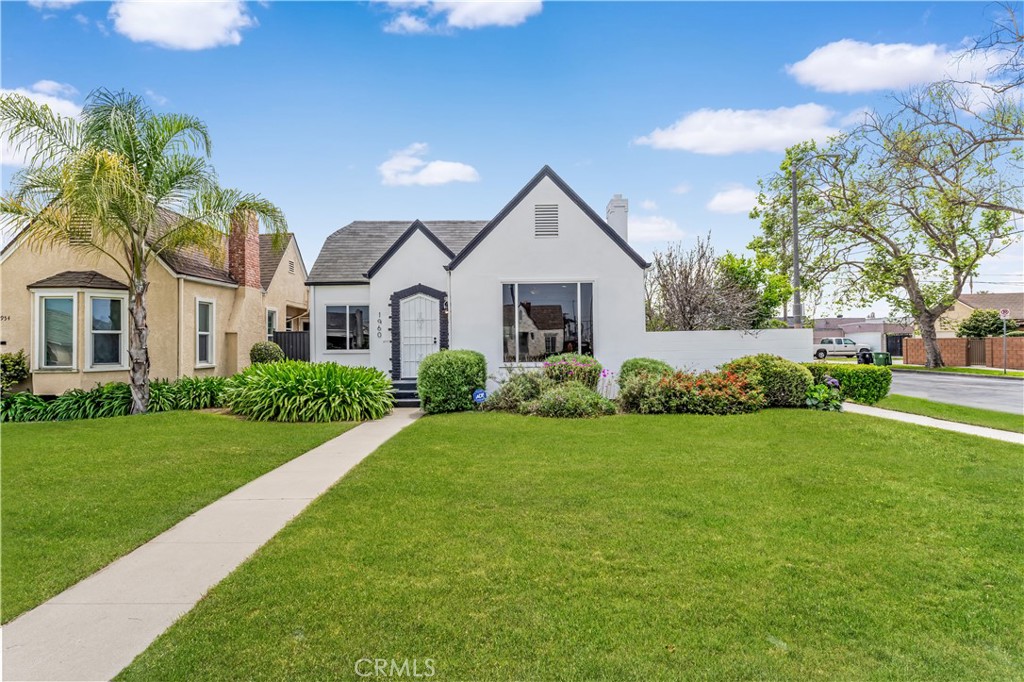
(1005, 395)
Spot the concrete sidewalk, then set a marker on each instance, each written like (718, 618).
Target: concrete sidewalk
(984, 432)
(95, 628)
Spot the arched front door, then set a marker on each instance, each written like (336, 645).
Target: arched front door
(420, 330)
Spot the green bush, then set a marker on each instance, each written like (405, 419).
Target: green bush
(295, 391)
(784, 383)
(634, 366)
(265, 351)
(13, 369)
(199, 393)
(706, 393)
(981, 323)
(448, 378)
(520, 387)
(825, 398)
(571, 400)
(860, 383)
(23, 407)
(573, 367)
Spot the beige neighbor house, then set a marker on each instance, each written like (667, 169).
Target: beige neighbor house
(69, 310)
(962, 308)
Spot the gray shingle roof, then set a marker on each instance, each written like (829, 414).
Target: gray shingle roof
(78, 279)
(1013, 301)
(270, 258)
(351, 251)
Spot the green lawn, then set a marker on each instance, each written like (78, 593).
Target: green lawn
(77, 495)
(779, 545)
(980, 371)
(954, 413)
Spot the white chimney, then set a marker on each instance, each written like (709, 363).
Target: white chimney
(618, 215)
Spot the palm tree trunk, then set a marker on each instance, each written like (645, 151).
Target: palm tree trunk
(138, 343)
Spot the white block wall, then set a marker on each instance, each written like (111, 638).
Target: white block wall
(706, 350)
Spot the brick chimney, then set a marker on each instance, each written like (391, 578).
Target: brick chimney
(244, 250)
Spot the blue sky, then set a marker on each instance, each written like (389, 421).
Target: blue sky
(340, 111)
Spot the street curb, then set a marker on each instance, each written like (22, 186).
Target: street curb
(1000, 377)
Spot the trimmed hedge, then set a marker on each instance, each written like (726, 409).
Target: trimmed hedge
(573, 367)
(706, 393)
(265, 351)
(571, 400)
(860, 383)
(296, 391)
(635, 366)
(448, 378)
(520, 387)
(784, 383)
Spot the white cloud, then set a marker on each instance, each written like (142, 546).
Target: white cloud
(682, 188)
(157, 98)
(407, 167)
(182, 25)
(52, 4)
(653, 228)
(440, 16)
(728, 131)
(851, 66)
(52, 94)
(735, 199)
(649, 205)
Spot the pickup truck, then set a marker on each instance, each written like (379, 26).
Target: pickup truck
(837, 345)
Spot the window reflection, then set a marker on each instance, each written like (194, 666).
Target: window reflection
(540, 320)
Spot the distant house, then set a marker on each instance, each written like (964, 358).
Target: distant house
(967, 303)
(546, 275)
(69, 310)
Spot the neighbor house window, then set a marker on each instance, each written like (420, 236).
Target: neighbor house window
(271, 323)
(348, 327)
(547, 319)
(57, 331)
(107, 335)
(204, 332)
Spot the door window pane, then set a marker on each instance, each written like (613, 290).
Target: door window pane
(58, 332)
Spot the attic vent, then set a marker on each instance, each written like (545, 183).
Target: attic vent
(291, 267)
(79, 231)
(545, 220)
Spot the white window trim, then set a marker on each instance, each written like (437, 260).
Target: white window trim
(37, 330)
(123, 297)
(346, 351)
(212, 333)
(270, 334)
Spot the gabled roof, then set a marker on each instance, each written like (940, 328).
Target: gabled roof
(547, 172)
(352, 251)
(1013, 301)
(270, 258)
(78, 279)
(416, 226)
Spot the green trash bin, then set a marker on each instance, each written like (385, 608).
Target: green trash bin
(882, 358)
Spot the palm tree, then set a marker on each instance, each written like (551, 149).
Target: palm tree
(127, 183)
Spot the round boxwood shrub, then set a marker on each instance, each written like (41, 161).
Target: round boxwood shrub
(569, 399)
(265, 351)
(448, 378)
(296, 391)
(520, 387)
(573, 367)
(783, 382)
(650, 366)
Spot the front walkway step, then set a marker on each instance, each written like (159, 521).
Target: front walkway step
(405, 392)
(95, 628)
(983, 431)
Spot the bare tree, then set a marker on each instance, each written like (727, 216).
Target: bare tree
(687, 290)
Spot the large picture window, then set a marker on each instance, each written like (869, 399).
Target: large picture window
(540, 320)
(106, 345)
(57, 331)
(348, 327)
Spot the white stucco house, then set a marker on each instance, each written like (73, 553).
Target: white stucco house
(546, 275)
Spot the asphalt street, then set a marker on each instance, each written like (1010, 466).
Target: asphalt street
(1005, 395)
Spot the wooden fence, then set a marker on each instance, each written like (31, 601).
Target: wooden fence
(294, 344)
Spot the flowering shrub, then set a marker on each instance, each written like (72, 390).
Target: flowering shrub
(569, 399)
(825, 396)
(573, 367)
(705, 393)
(13, 369)
(634, 366)
(785, 383)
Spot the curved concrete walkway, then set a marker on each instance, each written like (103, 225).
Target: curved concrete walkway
(95, 628)
(983, 431)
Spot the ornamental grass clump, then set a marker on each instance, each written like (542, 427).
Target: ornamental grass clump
(296, 391)
(200, 393)
(784, 383)
(573, 367)
(571, 400)
(23, 407)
